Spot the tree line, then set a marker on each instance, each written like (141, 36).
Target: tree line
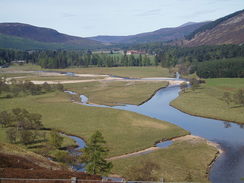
(14, 88)
(206, 61)
(8, 55)
(228, 68)
(63, 59)
(170, 56)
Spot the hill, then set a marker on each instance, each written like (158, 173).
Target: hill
(24, 36)
(17, 162)
(226, 30)
(164, 35)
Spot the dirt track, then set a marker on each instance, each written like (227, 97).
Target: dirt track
(171, 82)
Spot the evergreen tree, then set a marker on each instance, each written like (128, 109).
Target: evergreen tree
(94, 155)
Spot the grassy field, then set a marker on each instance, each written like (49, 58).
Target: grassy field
(176, 162)
(24, 67)
(133, 72)
(67, 141)
(40, 143)
(207, 100)
(53, 78)
(5, 74)
(124, 131)
(116, 92)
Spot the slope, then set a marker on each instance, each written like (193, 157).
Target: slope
(18, 35)
(226, 30)
(164, 34)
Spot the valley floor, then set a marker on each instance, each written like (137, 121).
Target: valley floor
(125, 132)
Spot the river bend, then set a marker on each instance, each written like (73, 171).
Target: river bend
(229, 167)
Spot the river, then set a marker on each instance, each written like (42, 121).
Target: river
(229, 167)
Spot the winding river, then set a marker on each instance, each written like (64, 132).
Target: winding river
(229, 167)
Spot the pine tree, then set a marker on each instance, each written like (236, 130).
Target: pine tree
(94, 155)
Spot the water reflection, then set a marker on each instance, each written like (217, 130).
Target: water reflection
(227, 124)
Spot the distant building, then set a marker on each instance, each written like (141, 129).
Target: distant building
(131, 52)
(20, 62)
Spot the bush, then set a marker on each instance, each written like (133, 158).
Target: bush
(26, 137)
(56, 139)
(11, 134)
(64, 157)
(146, 171)
(9, 96)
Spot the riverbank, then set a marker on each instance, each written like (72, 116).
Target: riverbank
(129, 72)
(191, 138)
(117, 126)
(195, 138)
(207, 101)
(117, 92)
(188, 155)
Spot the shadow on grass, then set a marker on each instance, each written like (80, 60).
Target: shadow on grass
(236, 106)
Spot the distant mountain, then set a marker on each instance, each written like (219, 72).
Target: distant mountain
(164, 35)
(226, 30)
(24, 36)
(187, 23)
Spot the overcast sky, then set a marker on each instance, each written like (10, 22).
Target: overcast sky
(113, 17)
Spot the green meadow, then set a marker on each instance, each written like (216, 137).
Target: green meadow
(132, 72)
(116, 92)
(207, 101)
(124, 131)
(178, 163)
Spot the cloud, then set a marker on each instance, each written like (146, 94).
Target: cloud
(68, 15)
(150, 12)
(200, 13)
(88, 27)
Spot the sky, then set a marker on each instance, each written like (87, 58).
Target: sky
(87, 18)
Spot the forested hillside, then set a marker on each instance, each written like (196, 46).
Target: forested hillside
(24, 36)
(206, 61)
